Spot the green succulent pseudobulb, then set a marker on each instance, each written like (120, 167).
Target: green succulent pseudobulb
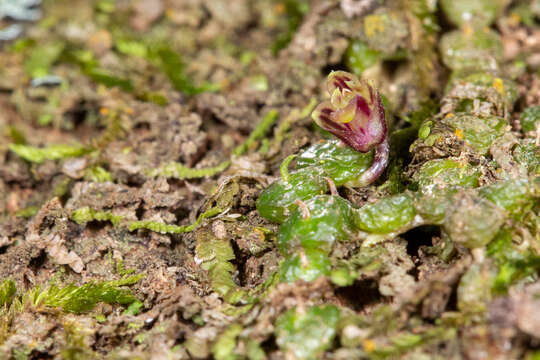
(278, 201)
(479, 49)
(341, 164)
(306, 334)
(479, 13)
(387, 215)
(307, 237)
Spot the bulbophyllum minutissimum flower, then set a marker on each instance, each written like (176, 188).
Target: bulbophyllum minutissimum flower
(355, 114)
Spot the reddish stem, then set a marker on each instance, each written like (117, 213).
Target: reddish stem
(380, 161)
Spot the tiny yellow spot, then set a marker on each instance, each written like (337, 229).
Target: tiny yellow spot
(468, 30)
(369, 345)
(449, 115)
(373, 24)
(459, 133)
(498, 84)
(259, 233)
(104, 111)
(129, 111)
(279, 8)
(515, 19)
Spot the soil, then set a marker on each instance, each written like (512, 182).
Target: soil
(110, 89)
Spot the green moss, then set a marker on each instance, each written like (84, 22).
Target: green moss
(16, 135)
(7, 292)
(41, 59)
(285, 124)
(307, 334)
(108, 79)
(131, 48)
(172, 229)
(174, 67)
(530, 118)
(85, 214)
(97, 174)
(78, 299)
(27, 212)
(134, 308)
(179, 171)
(51, 152)
(224, 347)
(260, 130)
(90, 66)
(402, 343)
(254, 350)
(215, 256)
(121, 269)
(513, 263)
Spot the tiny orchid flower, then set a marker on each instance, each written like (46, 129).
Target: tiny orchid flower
(355, 115)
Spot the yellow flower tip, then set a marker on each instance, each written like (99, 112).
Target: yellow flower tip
(104, 111)
(459, 134)
(449, 115)
(369, 345)
(498, 84)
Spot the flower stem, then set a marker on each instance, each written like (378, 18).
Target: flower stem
(380, 161)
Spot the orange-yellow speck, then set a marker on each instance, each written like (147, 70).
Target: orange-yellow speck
(515, 19)
(369, 345)
(459, 133)
(279, 8)
(104, 111)
(498, 84)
